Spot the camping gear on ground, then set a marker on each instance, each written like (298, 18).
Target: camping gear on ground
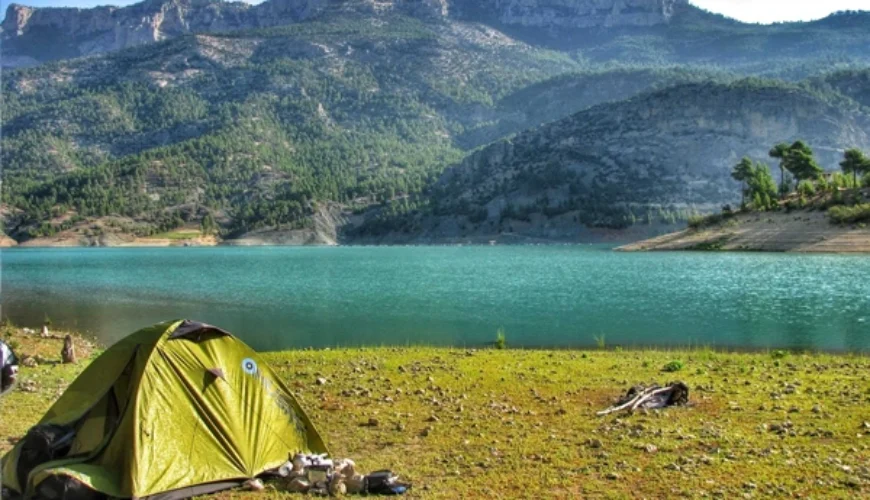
(655, 396)
(175, 410)
(318, 475)
(8, 368)
(384, 482)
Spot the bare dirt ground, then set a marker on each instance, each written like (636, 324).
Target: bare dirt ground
(799, 231)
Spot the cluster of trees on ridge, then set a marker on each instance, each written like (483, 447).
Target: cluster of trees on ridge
(800, 172)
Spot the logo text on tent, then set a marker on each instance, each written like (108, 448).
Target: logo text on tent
(250, 367)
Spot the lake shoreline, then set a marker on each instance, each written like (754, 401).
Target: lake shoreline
(580, 235)
(629, 348)
(442, 415)
(248, 244)
(801, 231)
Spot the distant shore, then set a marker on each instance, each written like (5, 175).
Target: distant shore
(112, 241)
(801, 231)
(299, 238)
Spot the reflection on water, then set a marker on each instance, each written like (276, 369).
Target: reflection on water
(277, 298)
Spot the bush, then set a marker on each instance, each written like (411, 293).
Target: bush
(600, 341)
(779, 354)
(850, 215)
(674, 366)
(500, 341)
(696, 221)
(823, 185)
(838, 180)
(807, 189)
(702, 221)
(709, 246)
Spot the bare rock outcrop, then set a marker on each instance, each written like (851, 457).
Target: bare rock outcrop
(32, 35)
(38, 34)
(586, 13)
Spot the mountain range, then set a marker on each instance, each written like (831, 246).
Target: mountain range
(32, 34)
(387, 121)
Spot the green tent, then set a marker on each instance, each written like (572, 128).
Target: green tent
(174, 410)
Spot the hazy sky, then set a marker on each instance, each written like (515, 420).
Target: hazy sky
(771, 11)
(754, 11)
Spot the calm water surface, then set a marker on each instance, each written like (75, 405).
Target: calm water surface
(277, 298)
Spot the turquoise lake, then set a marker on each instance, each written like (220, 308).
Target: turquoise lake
(542, 296)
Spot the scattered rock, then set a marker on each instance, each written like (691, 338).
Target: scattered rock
(298, 485)
(28, 386)
(594, 444)
(254, 485)
(852, 482)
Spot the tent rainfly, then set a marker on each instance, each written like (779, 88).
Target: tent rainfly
(172, 411)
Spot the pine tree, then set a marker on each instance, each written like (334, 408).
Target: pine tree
(779, 152)
(856, 163)
(742, 172)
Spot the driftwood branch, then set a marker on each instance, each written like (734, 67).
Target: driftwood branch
(646, 396)
(614, 409)
(638, 399)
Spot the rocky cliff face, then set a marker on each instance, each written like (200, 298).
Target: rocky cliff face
(31, 35)
(672, 148)
(585, 13)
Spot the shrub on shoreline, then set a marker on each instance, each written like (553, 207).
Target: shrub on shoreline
(701, 221)
(500, 339)
(850, 215)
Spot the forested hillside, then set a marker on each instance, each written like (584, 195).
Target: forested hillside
(359, 113)
(257, 127)
(651, 159)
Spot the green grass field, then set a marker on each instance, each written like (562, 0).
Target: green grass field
(521, 424)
